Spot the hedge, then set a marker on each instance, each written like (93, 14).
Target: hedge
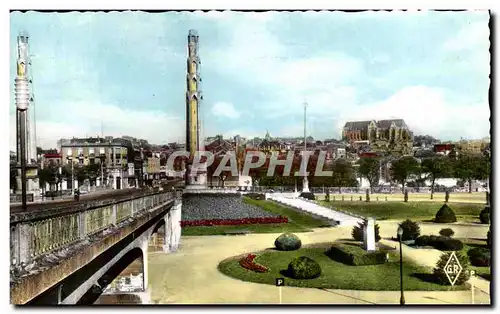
(355, 255)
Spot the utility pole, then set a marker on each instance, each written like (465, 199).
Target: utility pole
(72, 177)
(305, 183)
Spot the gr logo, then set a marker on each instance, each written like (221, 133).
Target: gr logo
(452, 269)
(280, 282)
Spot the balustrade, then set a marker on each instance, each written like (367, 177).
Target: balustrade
(31, 239)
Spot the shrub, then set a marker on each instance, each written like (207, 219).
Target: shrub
(447, 232)
(358, 231)
(411, 230)
(447, 244)
(327, 196)
(287, 242)
(256, 196)
(304, 268)
(406, 196)
(433, 239)
(484, 216)
(479, 256)
(355, 255)
(445, 215)
(447, 196)
(367, 195)
(488, 238)
(422, 241)
(308, 195)
(439, 271)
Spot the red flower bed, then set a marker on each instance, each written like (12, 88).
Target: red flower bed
(232, 222)
(248, 263)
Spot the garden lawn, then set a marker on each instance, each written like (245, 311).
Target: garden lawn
(297, 222)
(411, 210)
(460, 197)
(484, 272)
(336, 275)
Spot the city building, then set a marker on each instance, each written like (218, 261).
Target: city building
(51, 158)
(477, 146)
(391, 136)
(270, 145)
(111, 154)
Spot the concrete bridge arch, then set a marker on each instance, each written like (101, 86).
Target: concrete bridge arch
(86, 284)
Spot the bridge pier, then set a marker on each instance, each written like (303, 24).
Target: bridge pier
(145, 272)
(172, 234)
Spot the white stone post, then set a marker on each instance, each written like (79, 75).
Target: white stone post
(82, 226)
(113, 214)
(167, 235)
(22, 243)
(145, 272)
(369, 235)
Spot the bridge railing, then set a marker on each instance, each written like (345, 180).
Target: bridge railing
(42, 232)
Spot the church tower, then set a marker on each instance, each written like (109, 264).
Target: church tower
(193, 97)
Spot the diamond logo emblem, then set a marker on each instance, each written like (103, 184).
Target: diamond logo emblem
(452, 269)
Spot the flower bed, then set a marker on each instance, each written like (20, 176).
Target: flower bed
(247, 262)
(233, 222)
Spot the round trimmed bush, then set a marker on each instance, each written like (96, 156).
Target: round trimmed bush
(287, 242)
(479, 256)
(422, 241)
(358, 232)
(308, 195)
(447, 232)
(484, 216)
(304, 268)
(411, 230)
(439, 271)
(445, 215)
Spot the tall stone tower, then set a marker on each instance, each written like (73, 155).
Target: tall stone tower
(24, 71)
(195, 176)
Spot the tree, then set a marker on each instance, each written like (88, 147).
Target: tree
(436, 168)
(470, 167)
(343, 174)
(369, 168)
(403, 168)
(46, 175)
(93, 171)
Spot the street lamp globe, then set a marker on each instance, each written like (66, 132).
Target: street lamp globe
(400, 232)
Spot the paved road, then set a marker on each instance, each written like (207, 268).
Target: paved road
(190, 275)
(116, 194)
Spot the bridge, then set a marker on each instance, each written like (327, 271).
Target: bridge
(68, 253)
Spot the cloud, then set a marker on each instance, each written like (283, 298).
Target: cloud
(470, 37)
(226, 110)
(258, 69)
(86, 119)
(426, 110)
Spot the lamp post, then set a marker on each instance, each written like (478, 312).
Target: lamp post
(305, 184)
(400, 237)
(22, 103)
(70, 158)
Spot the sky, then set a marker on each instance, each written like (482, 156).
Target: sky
(124, 73)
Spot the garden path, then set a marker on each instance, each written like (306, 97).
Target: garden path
(190, 275)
